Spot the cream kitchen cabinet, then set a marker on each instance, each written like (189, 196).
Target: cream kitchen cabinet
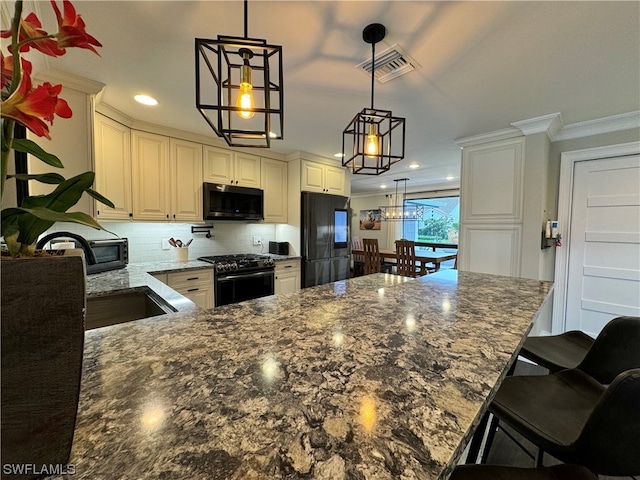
(287, 276)
(112, 163)
(196, 285)
(274, 182)
(318, 177)
(166, 177)
(231, 168)
(186, 181)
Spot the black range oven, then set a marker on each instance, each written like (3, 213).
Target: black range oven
(241, 277)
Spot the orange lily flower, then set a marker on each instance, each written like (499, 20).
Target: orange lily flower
(7, 69)
(29, 106)
(71, 29)
(31, 28)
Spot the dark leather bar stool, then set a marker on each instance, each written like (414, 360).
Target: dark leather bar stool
(573, 414)
(557, 352)
(576, 419)
(494, 472)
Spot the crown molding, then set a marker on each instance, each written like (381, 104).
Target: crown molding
(505, 134)
(614, 123)
(549, 124)
(69, 80)
(553, 126)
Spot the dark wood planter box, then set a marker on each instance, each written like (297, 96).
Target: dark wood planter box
(43, 300)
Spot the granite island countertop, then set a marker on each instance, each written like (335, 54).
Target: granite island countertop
(377, 377)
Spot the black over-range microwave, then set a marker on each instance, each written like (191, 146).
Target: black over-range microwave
(230, 202)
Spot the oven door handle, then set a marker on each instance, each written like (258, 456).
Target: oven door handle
(245, 275)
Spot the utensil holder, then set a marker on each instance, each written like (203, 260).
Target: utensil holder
(182, 254)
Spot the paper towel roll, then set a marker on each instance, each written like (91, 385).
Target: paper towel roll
(63, 246)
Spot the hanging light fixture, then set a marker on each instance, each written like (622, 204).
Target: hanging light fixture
(402, 210)
(239, 88)
(370, 132)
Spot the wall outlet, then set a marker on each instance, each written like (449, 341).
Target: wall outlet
(165, 244)
(257, 240)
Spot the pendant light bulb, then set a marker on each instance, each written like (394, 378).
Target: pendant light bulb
(373, 140)
(245, 101)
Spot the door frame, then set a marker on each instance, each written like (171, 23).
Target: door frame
(565, 208)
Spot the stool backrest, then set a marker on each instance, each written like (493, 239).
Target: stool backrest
(372, 259)
(609, 443)
(614, 351)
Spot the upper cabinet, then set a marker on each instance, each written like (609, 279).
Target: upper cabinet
(150, 175)
(231, 168)
(186, 180)
(113, 168)
(321, 178)
(167, 178)
(274, 183)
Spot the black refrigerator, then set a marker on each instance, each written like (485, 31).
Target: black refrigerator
(325, 238)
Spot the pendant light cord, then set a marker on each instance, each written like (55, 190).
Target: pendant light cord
(246, 9)
(373, 69)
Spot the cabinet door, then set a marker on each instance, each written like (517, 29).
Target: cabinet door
(202, 297)
(246, 170)
(186, 181)
(334, 180)
(113, 168)
(150, 175)
(218, 165)
(274, 183)
(312, 177)
(287, 276)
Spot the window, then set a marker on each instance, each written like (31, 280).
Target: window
(438, 221)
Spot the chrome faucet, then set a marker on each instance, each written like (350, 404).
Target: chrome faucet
(84, 244)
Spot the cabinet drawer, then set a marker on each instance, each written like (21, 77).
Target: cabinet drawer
(287, 266)
(179, 280)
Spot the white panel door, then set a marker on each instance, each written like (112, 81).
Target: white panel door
(604, 250)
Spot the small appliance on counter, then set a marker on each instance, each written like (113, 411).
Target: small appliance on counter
(279, 248)
(100, 255)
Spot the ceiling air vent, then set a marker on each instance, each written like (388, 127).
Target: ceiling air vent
(390, 63)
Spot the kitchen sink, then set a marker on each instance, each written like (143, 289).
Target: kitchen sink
(120, 307)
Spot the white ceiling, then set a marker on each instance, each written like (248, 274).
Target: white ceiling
(482, 66)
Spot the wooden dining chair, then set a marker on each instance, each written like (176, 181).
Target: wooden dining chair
(372, 260)
(406, 264)
(358, 260)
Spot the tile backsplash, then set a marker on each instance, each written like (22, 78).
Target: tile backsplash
(145, 238)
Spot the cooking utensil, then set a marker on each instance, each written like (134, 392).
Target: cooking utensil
(172, 242)
(179, 243)
(189, 242)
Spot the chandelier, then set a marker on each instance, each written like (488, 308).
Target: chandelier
(370, 133)
(239, 89)
(401, 211)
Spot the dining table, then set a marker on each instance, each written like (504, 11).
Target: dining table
(423, 258)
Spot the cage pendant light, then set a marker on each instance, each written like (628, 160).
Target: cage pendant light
(239, 88)
(374, 140)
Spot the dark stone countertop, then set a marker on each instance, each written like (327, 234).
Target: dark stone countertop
(377, 377)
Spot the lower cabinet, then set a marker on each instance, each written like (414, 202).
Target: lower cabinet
(196, 285)
(287, 276)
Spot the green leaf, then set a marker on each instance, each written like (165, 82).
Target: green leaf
(27, 146)
(100, 198)
(51, 178)
(53, 216)
(63, 197)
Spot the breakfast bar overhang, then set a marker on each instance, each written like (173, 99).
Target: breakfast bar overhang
(376, 377)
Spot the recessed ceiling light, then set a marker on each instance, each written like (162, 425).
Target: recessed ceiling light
(450, 177)
(414, 165)
(383, 186)
(145, 100)
(338, 155)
